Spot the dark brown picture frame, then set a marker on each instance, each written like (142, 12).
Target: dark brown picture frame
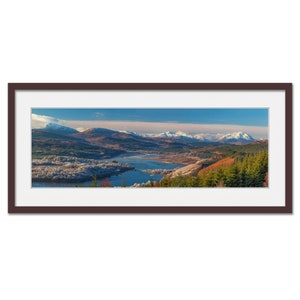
(14, 87)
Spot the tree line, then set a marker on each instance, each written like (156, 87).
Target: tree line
(249, 170)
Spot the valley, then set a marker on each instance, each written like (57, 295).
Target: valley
(63, 156)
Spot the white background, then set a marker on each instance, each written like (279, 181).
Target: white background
(148, 256)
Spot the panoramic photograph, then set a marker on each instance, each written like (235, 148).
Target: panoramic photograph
(149, 147)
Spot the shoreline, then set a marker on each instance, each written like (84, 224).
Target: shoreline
(73, 170)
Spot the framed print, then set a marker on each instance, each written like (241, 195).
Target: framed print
(150, 147)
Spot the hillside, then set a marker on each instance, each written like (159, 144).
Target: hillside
(243, 166)
(45, 143)
(205, 163)
(116, 140)
(228, 161)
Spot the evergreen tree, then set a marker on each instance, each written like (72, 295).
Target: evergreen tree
(124, 182)
(94, 183)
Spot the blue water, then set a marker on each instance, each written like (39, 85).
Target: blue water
(139, 161)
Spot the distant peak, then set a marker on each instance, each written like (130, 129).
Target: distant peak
(97, 130)
(59, 128)
(128, 132)
(238, 136)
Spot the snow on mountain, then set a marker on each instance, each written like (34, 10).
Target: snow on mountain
(167, 134)
(128, 132)
(171, 134)
(201, 137)
(59, 128)
(239, 137)
(183, 134)
(230, 138)
(235, 137)
(206, 137)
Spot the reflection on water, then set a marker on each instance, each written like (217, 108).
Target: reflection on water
(140, 162)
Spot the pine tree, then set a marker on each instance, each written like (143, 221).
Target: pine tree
(124, 182)
(94, 182)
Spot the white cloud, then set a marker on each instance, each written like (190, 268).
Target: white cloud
(39, 121)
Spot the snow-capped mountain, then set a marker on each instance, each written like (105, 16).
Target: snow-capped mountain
(170, 134)
(128, 132)
(207, 137)
(230, 138)
(59, 128)
(236, 137)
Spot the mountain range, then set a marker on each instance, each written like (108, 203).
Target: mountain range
(101, 143)
(101, 134)
(235, 137)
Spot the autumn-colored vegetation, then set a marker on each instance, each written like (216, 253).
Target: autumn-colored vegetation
(226, 166)
(249, 170)
(228, 161)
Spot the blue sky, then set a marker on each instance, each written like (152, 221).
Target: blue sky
(148, 121)
(245, 116)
